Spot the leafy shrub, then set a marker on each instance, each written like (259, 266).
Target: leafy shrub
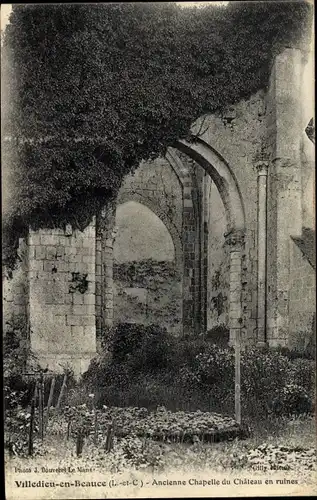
(17, 356)
(264, 372)
(303, 373)
(292, 399)
(215, 370)
(295, 353)
(219, 334)
(150, 367)
(130, 338)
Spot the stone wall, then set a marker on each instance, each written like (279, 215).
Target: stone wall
(238, 136)
(290, 195)
(302, 302)
(148, 292)
(62, 297)
(147, 277)
(218, 262)
(156, 185)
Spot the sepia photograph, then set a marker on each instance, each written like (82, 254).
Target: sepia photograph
(158, 249)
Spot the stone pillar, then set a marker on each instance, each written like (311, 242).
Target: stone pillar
(107, 269)
(261, 252)
(189, 241)
(104, 248)
(284, 133)
(204, 251)
(98, 286)
(235, 240)
(61, 277)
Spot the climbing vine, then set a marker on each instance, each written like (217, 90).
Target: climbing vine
(90, 90)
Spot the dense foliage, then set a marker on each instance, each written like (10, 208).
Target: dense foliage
(17, 356)
(149, 368)
(92, 89)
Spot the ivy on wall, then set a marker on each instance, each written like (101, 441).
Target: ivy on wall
(90, 90)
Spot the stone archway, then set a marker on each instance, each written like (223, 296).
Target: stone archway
(221, 174)
(172, 286)
(223, 177)
(155, 208)
(226, 183)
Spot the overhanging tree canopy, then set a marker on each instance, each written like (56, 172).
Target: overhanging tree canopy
(90, 90)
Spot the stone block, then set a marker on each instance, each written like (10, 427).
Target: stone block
(89, 299)
(51, 252)
(74, 320)
(36, 265)
(81, 267)
(49, 239)
(89, 231)
(86, 251)
(188, 203)
(57, 231)
(88, 320)
(31, 252)
(90, 331)
(234, 322)
(78, 310)
(108, 313)
(65, 241)
(88, 243)
(34, 238)
(77, 332)
(235, 277)
(69, 298)
(78, 298)
(20, 299)
(71, 250)
(54, 291)
(73, 259)
(91, 276)
(89, 259)
(54, 267)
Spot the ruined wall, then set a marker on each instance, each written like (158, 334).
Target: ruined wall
(238, 135)
(218, 262)
(149, 241)
(290, 198)
(302, 302)
(267, 126)
(156, 185)
(148, 292)
(62, 297)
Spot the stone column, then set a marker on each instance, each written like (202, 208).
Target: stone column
(284, 215)
(189, 242)
(104, 266)
(107, 269)
(235, 240)
(262, 168)
(98, 285)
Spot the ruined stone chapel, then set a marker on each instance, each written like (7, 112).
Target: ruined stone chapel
(217, 234)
